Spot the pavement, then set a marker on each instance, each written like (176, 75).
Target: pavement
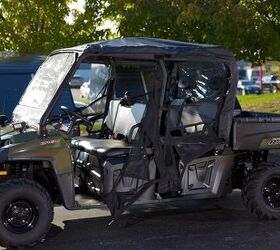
(191, 224)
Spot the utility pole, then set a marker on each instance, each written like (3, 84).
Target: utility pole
(261, 76)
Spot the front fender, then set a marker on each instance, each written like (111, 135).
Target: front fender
(54, 150)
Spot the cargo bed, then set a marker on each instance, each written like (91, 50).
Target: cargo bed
(256, 131)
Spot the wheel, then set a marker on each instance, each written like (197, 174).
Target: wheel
(261, 191)
(26, 213)
(274, 90)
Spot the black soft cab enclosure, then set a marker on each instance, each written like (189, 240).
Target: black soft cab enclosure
(181, 110)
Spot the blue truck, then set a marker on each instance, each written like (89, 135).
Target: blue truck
(16, 71)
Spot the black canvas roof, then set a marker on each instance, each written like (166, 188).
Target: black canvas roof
(150, 46)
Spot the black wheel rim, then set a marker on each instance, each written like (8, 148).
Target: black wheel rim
(20, 216)
(271, 192)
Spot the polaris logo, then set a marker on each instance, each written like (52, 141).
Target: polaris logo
(48, 142)
(274, 141)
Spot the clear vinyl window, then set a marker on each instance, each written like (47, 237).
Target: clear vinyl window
(201, 80)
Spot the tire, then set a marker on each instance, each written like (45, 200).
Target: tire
(273, 90)
(26, 213)
(259, 193)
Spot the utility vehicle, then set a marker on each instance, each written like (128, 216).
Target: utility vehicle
(162, 126)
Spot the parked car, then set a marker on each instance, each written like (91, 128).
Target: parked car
(271, 79)
(76, 81)
(175, 136)
(245, 87)
(270, 83)
(85, 90)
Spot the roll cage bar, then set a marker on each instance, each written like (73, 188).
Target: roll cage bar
(79, 58)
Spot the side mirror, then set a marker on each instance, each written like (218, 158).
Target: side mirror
(3, 120)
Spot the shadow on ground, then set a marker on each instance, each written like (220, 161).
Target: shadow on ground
(208, 224)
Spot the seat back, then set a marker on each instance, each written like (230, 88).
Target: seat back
(120, 119)
(196, 114)
(110, 119)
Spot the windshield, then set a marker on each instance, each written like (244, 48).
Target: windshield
(42, 88)
(247, 83)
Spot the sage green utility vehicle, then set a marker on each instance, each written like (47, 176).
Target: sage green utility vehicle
(160, 125)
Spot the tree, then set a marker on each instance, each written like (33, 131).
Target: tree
(250, 28)
(247, 27)
(267, 22)
(86, 26)
(41, 26)
(33, 25)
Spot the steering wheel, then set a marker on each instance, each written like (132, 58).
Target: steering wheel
(75, 117)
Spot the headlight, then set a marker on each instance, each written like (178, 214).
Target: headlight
(3, 172)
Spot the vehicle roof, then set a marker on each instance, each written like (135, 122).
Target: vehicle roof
(150, 46)
(16, 63)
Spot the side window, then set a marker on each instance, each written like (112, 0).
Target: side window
(88, 84)
(201, 81)
(128, 79)
(137, 80)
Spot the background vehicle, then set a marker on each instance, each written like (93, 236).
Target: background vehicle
(84, 90)
(245, 87)
(76, 81)
(168, 131)
(16, 71)
(253, 74)
(270, 83)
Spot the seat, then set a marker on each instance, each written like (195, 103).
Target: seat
(120, 120)
(101, 147)
(192, 116)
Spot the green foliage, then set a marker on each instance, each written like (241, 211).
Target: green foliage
(250, 28)
(267, 25)
(40, 25)
(32, 25)
(86, 25)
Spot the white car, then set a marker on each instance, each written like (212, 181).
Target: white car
(270, 83)
(85, 90)
(76, 81)
(246, 87)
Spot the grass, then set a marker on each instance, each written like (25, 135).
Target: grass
(261, 103)
(96, 127)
